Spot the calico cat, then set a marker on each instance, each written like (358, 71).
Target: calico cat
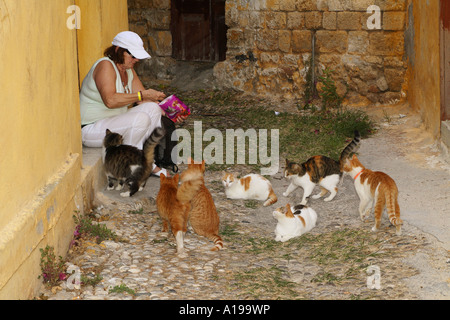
(251, 186)
(203, 215)
(375, 189)
(125, 164)
(318, 170)
(293, 221)
(173, 203)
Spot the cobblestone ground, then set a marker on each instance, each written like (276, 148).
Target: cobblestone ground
(334, 261)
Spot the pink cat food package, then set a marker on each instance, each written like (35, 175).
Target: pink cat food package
(174, 107)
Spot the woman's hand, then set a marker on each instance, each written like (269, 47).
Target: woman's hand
(153, 95)
(180, 119)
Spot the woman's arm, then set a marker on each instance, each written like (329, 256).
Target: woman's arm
(105, 79)
(147, 95)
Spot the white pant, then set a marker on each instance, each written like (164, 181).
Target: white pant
(135, 126)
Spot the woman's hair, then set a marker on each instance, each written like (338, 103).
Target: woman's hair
(116, 56)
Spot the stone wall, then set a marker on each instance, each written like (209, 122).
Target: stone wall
(151, 20)
(270, 45)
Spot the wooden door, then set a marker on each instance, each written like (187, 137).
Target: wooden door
(445, 59)
(198, 30)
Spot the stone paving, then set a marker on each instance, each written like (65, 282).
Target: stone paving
(144, 262)
(339, 259)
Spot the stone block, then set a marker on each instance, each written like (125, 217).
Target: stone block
(306, 5)
(386, 43)
(267, 40)
(284, 40)
(164, 43)
(393, 20)
(161, 4)
(287, 5)
(382, 84)
(235, 37)
(358, 41)
(349, 20)
(313, 20)
(295, 20)
(394, 78)
(275, 20)
(331, 41)
(301, 41)
(329, 21)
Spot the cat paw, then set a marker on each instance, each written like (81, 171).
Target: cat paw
(125, 194)
(328, 199)
(110, 188)
(304, 202)
(119, 187)
(182, 252)
(317, 196)
(374, 229)
(285, 194)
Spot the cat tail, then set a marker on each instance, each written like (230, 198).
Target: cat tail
(218, 242)
(393, 210)
(190, 184)
(271, 199)
(353, 146)
(149, 148)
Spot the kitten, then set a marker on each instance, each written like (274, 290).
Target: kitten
(173, 203)
(203, 216)
(318, 170)
(251, 186)
(127, 164)
(375, 189)
(293, 221)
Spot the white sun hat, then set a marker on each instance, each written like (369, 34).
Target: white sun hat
(132, 42)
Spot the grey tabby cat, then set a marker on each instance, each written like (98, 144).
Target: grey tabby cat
(125, 164)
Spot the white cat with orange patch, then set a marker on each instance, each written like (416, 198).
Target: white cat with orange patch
(251, 186)
(376, 190)
(293, 221)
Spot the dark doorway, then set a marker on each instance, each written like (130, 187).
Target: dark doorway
(198, 30)
(445, 59)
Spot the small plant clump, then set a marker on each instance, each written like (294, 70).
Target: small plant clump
(86, 228)
(51, 267)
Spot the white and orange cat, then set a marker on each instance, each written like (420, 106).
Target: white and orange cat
(293, 221)
(203, 216)
(173, 203)
(251, 186)
(375, 190)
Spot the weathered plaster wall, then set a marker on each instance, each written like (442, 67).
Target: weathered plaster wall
(41, 181)
(424, 62)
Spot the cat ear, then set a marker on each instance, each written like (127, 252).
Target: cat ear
(354, 156)
(108, 131)
(162, 177)
(289, 213)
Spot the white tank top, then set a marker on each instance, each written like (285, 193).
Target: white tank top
(92, 107)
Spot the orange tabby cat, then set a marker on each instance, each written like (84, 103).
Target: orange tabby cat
(173, 203)
(203, 216)
(376, 189)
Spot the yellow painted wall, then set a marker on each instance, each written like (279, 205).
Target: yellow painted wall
(40, 162)
(101, 20)
(424, 65)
